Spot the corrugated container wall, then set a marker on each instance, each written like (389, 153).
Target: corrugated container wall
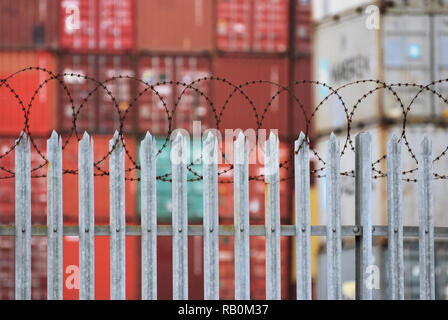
(97, 25)
(252, 26)
(399, 51)
(43, 113)
(156, 104)
(303, 27)
(99, 112)
(206, 25)
(26, 24)
(175, 25)
(239, 113)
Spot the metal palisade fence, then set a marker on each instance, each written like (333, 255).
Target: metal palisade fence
(363, 231)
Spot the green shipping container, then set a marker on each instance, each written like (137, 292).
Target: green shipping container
(164, 188)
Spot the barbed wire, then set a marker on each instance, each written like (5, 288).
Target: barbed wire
(236, 89)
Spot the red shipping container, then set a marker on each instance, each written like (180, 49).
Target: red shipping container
(241, 70)
(98, 114)
(38, 268)
(165, 268)
(121, 89)
(192, 106)
(303, 27)
(28, 24)
(257, 267)
(102, 268)
(257, 187)
(175, 25)
(97, 25)
(252, 25)
(42, 118)
(101, 183)
(81, 92)
(38, 185)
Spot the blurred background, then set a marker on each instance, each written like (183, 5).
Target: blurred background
(280, 41)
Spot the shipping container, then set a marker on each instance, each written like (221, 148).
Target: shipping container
(38, 268)
(29, 24)
(303, 27)
(405, 48)
(156, 104)
(414, 134)
(271, 109)
(257, 267)
(105, 26)
(164, 187)
(102, 268)
(175, 26)
(115, 102)
(249, 26)
(98, 107)
(101, 180)
(252, 26)
(42, 113)
(257, 185)
(38, 184)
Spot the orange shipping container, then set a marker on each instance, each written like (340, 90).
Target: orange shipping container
(101, 183)
(175, 25)
(43, 112)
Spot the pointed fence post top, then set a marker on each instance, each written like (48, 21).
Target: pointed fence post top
(179, 149)
(54, 140)
(23, 140)
(115, 141)
(425, 146)
(393, 144)
(333, 144)
(240, 149)
(148, 142)
(210, 154)
(301, 141)
(271, 161)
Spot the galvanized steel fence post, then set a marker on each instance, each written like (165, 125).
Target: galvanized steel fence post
(333, 200)
(211, 218)
(241, 218)
(302, 217)
(117, 219)
(272, 218)
(395, 219)
(148, 163)
(179, 158)
(86, 219)
(363, 214)
(23, 218)
(54, 218)
(426, 223)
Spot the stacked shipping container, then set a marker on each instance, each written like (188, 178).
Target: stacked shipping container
(161, 43)
(407, 46)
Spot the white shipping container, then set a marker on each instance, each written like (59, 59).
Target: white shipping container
(414, 134)
(409, 46)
